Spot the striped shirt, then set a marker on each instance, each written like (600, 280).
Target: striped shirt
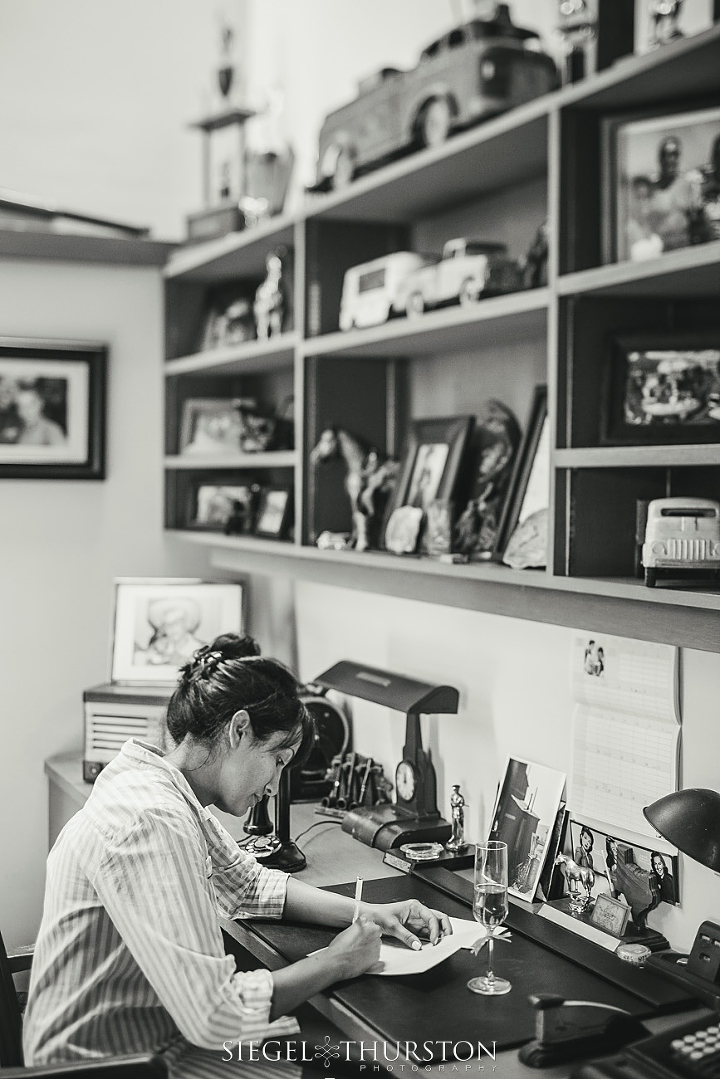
(130, 956)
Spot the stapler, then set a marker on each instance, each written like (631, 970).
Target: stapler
(568, 1029)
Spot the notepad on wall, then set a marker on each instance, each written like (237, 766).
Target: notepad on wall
(626, 730)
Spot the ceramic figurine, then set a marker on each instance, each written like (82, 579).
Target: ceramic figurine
(664, 16)
(577, 28)
(269, 307)
(580, 881)
(457, 811)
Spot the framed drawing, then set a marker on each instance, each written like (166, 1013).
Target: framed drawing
(662, 388)
(52, 409)
(274, 513)
(661, 183)
(159, 623)
(210, 426)
(529, 490)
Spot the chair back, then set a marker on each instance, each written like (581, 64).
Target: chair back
(11, 1053)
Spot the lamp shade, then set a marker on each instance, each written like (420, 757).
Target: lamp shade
(690, 820)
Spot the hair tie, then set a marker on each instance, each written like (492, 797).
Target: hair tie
(208, 663)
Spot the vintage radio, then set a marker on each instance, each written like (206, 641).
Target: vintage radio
(114, 713)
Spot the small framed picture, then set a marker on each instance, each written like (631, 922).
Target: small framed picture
(215, 505)
(529, 491)
(159, 624)
(610, 915)
(662, 388)
(275, 512)
(210, 427)
(661, 189)
(431, 462)
(52, 409)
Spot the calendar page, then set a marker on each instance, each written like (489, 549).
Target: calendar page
(626, 732)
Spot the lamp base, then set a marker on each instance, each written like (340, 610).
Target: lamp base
(385, 826)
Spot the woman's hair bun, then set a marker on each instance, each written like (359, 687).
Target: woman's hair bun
(232, 646)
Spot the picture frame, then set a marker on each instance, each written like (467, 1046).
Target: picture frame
(158, 624)
(431, 462)
(529, 489)
(211, 427)
(52, 409)
(274, 513)
(212, 505)
(660, 182)
(662, 388)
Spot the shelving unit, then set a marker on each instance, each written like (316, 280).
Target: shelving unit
(496, 181)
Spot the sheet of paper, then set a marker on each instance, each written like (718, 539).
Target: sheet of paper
(626, 733)
(399, 959)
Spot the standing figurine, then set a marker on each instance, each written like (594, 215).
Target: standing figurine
(664, 15)
(577, 29)
(457, 805)
(269, 305)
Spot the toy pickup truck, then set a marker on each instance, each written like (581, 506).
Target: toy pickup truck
(467, 270)
(474, 71)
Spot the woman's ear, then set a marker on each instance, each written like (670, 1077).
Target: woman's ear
(239, 725)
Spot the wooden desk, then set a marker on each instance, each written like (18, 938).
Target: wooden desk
(333, 857)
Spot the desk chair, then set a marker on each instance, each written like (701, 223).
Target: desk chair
(135, 1066)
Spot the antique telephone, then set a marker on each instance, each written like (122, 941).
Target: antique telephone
(414, 816)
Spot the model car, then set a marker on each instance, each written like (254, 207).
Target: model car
(476, 70)
(372, 290)
(467, 270)
(682, 537)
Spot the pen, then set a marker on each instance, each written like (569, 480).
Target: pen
(358, 897)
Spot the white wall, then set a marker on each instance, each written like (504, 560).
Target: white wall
(63, 542)
(96, 99)
(515, 700)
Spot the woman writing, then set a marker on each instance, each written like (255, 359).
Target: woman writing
(130, 957)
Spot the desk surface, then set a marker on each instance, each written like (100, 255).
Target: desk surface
(333, 857)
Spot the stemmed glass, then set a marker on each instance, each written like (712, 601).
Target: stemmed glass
(490, 907)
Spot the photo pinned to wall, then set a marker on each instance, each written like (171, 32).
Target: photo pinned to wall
(430, 469)
(525, 813)
(52, 409)
(662, 388)
(522, 537)
(661, 183)
(160, 622)
(642, 877)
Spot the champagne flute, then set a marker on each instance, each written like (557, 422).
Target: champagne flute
(490, 907)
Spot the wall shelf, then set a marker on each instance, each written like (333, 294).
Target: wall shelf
(199, 462)
(246, 358)
(499, 179)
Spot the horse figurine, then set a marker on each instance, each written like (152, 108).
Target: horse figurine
(368, 481)
(269, 306)
(580, 880)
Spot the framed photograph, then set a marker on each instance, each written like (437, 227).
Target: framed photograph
(529, 490)
(210, 427)
(431, 462)
(159, 623)
(274, 514)
(52, 409)
(661, 189)
(524, 818)
(662, 388)
(214, 505)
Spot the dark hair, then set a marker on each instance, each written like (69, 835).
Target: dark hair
(587, 832)
(609, 856)
(656, 854)
(229, 675)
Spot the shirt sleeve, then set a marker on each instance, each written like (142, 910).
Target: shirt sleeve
(242, 885)
(154, 882)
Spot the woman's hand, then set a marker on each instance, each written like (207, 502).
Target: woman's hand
(357, 950)
(406, 920)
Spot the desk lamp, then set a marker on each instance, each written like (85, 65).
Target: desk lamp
(414, 816)
(690, 820)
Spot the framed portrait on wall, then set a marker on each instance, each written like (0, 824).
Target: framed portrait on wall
(52, 409)
(661, 183)
(160, 622)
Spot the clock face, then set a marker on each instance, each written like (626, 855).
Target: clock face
(405, 781)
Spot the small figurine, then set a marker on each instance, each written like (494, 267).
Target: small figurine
(457, 811)
(535, 272)
(580, 881)
(269, 307)
(664, 15)
(577, 28)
